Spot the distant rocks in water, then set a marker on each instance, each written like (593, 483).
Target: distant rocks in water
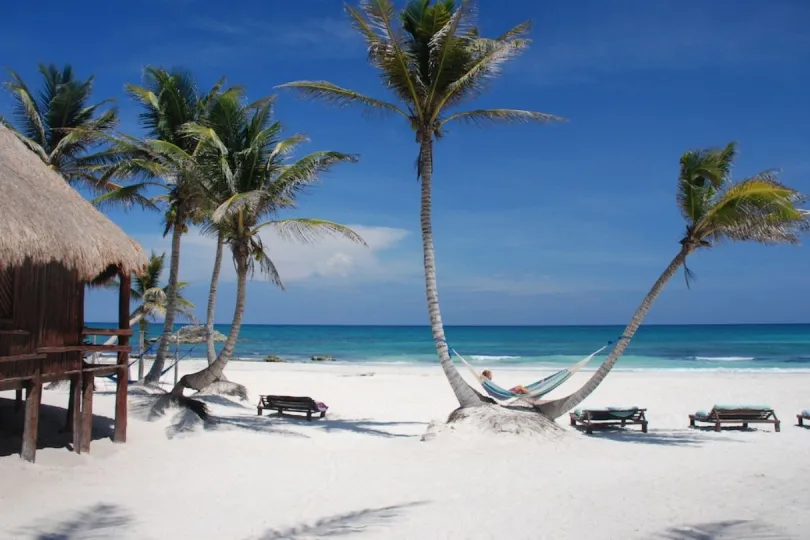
(320, 358)
(273, 358)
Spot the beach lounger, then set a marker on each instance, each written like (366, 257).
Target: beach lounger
(608, 416)
(736, 414)
(291, 403)
(802, 416)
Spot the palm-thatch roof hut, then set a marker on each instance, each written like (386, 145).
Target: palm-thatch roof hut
(53, 243)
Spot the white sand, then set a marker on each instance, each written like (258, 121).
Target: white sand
(363, 472)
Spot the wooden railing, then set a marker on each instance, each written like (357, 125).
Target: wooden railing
(106, 332)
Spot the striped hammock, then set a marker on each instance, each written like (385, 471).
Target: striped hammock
(536, 389)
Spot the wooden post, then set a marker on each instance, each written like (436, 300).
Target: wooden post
(76, 413)
(120, 435)
(18, 400)
(32, 400)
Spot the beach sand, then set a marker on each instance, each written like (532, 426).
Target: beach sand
(363, 472)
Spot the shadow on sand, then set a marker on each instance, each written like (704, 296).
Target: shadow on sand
(341, 524)
(98, 522)
(736, 529)
(655, 437)
(51, 427)
(361, 426)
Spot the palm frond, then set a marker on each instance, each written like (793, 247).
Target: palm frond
(307, 170)
(125, 197)
(702, 174)
(445, 45)
(26, 110)
(309, 230)
(286, 146)
(396, 64)
(483, 116)
(260, 257)
(758, 209)
(489, 56)
(335, 95)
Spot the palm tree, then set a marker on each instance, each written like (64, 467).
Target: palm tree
(434, 61)
(59, 125)
(146, 289)
(241, 148)
(169, 101)
(757, 209)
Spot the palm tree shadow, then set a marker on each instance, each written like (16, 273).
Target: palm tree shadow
(737, 529)
(186, 421)
(662, 438)
(360, 426)
(98, 521)
(341, 524)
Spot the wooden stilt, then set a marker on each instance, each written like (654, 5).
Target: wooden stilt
(76, 413)
(32, 400)
(18, 400)
(120, 435)
(88, 387)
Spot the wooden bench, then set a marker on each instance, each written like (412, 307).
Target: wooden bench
(291, 403)
(802, 416)
(724, 415)
(608, 416)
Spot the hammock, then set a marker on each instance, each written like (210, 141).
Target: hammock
(114, 378)
(536, 389)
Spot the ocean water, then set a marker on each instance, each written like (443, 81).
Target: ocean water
(704, 347)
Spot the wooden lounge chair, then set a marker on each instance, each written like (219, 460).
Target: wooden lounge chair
(802, 416)
(608, 416)
(291, 403)
(736, 414)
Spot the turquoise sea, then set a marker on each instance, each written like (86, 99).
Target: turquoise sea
(705, 347)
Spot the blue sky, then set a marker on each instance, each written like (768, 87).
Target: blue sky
(561, 224)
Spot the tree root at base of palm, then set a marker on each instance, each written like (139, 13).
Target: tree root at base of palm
(494, 419)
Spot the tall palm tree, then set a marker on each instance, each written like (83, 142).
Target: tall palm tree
(59, 124)
(169, 101)
(433, 60)
(147, 290)
(757, 209)
(242, 148)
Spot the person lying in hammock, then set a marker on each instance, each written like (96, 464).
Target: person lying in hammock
(519, 389)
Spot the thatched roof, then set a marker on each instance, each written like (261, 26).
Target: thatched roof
(43, 219)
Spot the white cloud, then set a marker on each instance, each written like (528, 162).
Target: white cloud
(335, 258)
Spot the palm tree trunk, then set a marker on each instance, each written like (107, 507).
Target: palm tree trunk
(212, 301)
(142, 328)
(171, 302)
(558, 407)
(213, 373)
(467, 397)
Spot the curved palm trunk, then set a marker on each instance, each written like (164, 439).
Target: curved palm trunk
(467, 397)
(142, 329)
(213, 373)
(212, 301)
(171, 303)
(558, 407)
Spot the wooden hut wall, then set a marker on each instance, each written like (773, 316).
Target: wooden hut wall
(48, 305)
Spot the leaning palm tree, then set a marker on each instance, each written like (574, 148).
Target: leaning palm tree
(169, 101)
(147, 290)
(757, 209)
(60, 125)
(258, 183)
(433, 60)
